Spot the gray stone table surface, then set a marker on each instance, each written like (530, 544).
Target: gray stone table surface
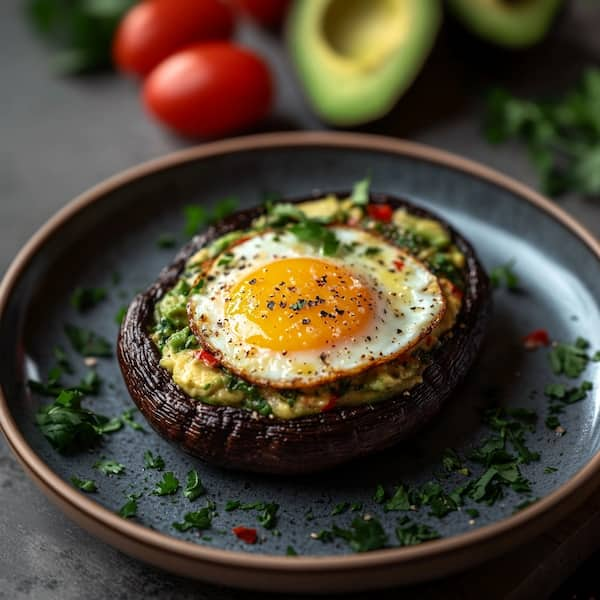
(59, 136)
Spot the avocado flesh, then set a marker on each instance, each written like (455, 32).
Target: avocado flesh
(355, 58)
(510, 23)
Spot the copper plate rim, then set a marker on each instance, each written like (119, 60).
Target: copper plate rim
(548, 509)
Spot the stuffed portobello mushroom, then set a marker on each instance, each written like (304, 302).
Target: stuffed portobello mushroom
(297, 336)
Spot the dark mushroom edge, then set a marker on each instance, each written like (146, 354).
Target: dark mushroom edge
(238, 438)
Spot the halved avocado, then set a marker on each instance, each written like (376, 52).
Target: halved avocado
(238, 438)
(356, 58)
(510, 23)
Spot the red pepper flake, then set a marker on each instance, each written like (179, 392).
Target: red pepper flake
(246, 534)
(207, 358)
(536, 339)
(380, 212)
(399, 264)
(331, 404)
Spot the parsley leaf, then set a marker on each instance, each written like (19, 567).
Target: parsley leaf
(379, 495)
(200, 519)
(316, 234)
(231, 505)
(62, 359)
(364, 535)
(569, 359)
(85, 485)
(85, 298)
(127, 418)
(153, 462)
(109, 467)
(120, 315)
(360, 192)
(340, 508)
(88, 343)
(193, 488)
(268, 517)
(562, 136)
(289, 551)
(80, 31)
(399, 501)
(129, 509)
(166, 240)
(67, 426)
(168, 485)
(505, 275)
(411, 534)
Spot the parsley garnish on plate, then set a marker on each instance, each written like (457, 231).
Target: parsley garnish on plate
(317, 235)
(168, 485)
(110, 467)
(200, 519)
(268, 516)
(193, 487)
(340, 508)
(127, 418)
(363, 535)
(85, 485)
(129, 509)
(120, 315)
(360, 192)
(67, 426)
(289, 551)
(88, 343)
(84, 299)
(562, 136)
(411, 534)
(570, 359)
(505, 275)
(153, 462)
(379, 495)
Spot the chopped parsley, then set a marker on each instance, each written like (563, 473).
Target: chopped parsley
(200, 519)
(360, 192)
(127, 418)
(232, 505)
(84, 299)
(340, 508)
(193, 487)
(289, 551)
(88, 343)
(268, 516)
(505, 275)
(411, 534)
(549, 470)
(317, 235)
(153, 462)
(399, 500)
(69, 427)
(109, 467)
(452, 463)
(129, 509)
(62, 360)
(120, 315)
(569, 359)
(166, 240)
(379, 495)
(85, 485)
(562, 135)
(168, 485)
(364, 535)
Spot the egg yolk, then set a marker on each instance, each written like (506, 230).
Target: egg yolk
(301, 304)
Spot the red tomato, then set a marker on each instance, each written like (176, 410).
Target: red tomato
(269, 13)
(209, 89)
(246, 534)
(380, 212)
(207, 358)
(155, 29)
(536, 339)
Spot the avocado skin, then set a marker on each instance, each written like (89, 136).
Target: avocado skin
(526, 27)
(238, 439)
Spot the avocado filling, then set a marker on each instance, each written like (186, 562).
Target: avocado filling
(199, 373)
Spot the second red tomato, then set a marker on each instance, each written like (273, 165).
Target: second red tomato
(209, 89)
(154, 29)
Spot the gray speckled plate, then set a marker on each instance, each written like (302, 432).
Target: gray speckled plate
(114, 229)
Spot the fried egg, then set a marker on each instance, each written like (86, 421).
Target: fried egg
(276, 312)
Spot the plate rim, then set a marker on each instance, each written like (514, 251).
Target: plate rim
(492, 538)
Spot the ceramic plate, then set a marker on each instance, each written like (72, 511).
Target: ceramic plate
(108, 238)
